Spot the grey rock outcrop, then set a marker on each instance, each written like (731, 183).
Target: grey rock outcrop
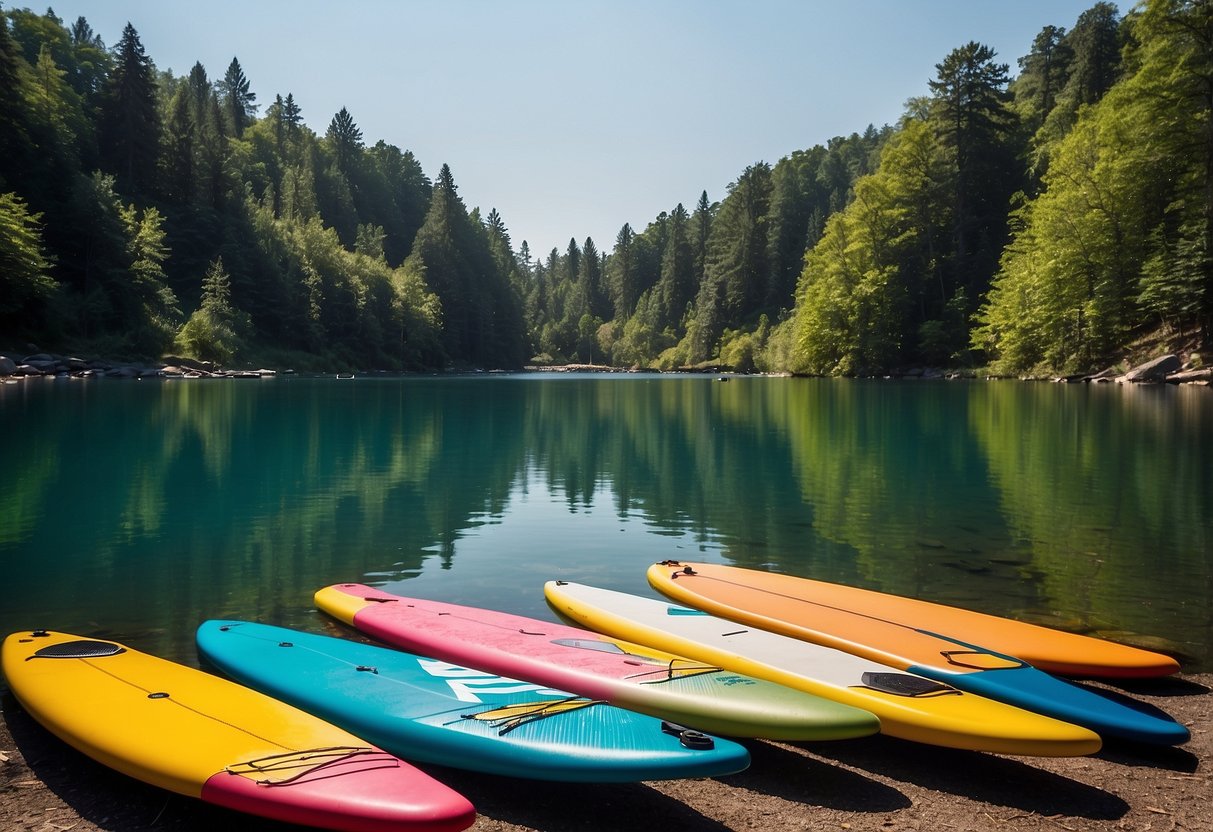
(1156, 370)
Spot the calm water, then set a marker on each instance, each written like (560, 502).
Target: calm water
(134, 510)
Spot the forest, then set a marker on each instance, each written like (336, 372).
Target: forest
(1033, 222)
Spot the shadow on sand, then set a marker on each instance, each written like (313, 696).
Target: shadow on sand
(987, 778)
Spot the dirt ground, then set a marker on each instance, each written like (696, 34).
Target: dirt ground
(877, 783)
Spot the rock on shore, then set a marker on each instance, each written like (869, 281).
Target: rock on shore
(47, 365)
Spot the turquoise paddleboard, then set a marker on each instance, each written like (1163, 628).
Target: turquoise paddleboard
(431, 711)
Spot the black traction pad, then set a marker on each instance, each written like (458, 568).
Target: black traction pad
(79, 649)
(903, 684)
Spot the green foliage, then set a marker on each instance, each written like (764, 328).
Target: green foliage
(217, 330)
(676, 287)
(25, 282)
(345, 139)
(238, 98)
(275, 237)
(875, 279)
(130, 118)
(866, 253)
(1121, 231)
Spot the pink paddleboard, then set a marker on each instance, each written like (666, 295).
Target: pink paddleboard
(594, 666)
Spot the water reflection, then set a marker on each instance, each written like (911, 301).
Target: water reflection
(137, 509)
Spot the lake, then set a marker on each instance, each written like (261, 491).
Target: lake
(134, 510)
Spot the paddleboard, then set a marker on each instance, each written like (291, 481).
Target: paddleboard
(199, 735)
(773, 602)
(909, 707)
(569, 658)
(432, 711)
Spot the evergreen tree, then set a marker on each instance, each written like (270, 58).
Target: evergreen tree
(795, 193)
(406, 192)
(481, 315)
(199, 86)
(524, 259)
(701, 231)
(213, 152)
(292, 115)
(590, 277)
(737, 252)
(1095, 45)
(1093, 50)
(130, 117)
(1042, 75)
(622, 271)
(239, 100)
(90, 65)
(976, 124)
(179, 151)
(345, 139)
(676, 287)
(212, 332)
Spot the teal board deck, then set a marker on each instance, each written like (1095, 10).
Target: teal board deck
(431, 711)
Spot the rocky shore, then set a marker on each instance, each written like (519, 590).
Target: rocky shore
(43, 365)
(1166, 369)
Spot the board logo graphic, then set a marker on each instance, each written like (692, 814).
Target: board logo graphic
(470, 685)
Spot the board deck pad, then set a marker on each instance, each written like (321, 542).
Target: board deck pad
(433, 711)
(209, 738)
(654, 682)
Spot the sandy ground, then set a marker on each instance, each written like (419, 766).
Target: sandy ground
(878, 784)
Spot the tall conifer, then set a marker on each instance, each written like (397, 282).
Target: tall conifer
(130, 117)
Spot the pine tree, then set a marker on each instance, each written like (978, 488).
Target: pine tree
(701, 231)
(345, 139)
(1043, 73)
(591, 279)
(976, 124)
(622, 270)
(238, 99)
(676, 287)
(179, 151)
(1095, 44)
(130, 119)
(292, 115)
(91, 63)
(482, 317)
(737, 251)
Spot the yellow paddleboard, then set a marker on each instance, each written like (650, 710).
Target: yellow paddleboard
(202, 736)
(909, 707)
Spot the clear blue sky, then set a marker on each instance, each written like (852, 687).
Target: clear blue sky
(572, 118)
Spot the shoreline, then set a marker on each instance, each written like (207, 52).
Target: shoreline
(1166, 369)
(876, 783)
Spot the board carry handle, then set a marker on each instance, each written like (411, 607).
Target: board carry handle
(689, 737)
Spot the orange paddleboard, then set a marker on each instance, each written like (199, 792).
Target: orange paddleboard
(926, 639)
(834, 608)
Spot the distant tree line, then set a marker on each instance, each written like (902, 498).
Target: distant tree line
(142, 212)
(1036, 222)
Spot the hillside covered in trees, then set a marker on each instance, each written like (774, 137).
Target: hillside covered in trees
(1030, 222)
